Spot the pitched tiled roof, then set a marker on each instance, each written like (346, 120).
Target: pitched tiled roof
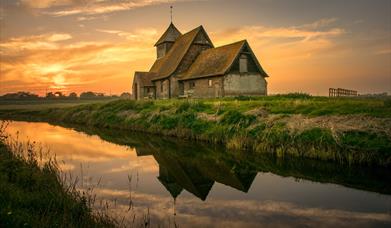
(166, 65)
(170, 35)
(216, 61)
(145, 77)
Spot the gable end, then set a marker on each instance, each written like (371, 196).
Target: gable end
(253, 64)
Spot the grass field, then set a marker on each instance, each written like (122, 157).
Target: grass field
(295, 104)
(347, 130)
(44, 104)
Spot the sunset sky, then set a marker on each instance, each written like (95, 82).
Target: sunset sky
(96, 45)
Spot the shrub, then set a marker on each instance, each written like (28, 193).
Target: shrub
(234, 117)
(277, 135)
(316, 136)
(366, 141)
(183, 107)
(387, 103)
(123, 105)
(257, 130)
(296, 95)
(242, 98)
(197, 106)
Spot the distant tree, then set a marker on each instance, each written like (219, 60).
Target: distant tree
(72, 95)
(50, 95)
(88, 95)
(58, 94)
(126, 95)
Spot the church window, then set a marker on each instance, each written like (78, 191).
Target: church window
(243, 64)
(192, 84)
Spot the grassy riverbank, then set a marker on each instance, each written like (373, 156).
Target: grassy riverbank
(32, 193)
(344, 130)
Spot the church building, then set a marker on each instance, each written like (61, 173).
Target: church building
(189, 66)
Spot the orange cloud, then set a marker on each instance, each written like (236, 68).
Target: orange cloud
(295, 33)
(147, 34)
(44, 41)
(40, 4)
(285, 43)
(106, 6)
(319, 23)
(56, 138)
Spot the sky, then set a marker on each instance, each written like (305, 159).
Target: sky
(96, 45)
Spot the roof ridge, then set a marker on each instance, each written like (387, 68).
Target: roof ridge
(199, 27)
(236, 42)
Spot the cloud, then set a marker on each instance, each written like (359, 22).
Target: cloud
(140, 34)
(44, 41)
(238, 213)
(92, 7)
(96, 150)
(303, 33)
(144, 164)
(83, 18)
(385, 51)
(319, 23)
(59, 37)
(279, 43)
(41, 4)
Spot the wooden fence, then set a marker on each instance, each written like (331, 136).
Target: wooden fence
(342, 93)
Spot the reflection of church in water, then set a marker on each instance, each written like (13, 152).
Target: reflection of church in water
(198, 174)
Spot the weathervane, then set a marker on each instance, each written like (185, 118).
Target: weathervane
(171, 13)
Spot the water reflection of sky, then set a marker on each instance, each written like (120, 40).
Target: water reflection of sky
(271, 199)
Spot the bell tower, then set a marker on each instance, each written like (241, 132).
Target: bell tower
(165, 42)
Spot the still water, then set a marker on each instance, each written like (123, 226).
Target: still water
(185, 184)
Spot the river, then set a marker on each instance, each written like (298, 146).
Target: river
(171, 182)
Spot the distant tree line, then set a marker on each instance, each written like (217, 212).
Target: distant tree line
(20, 95)
(61, 96)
